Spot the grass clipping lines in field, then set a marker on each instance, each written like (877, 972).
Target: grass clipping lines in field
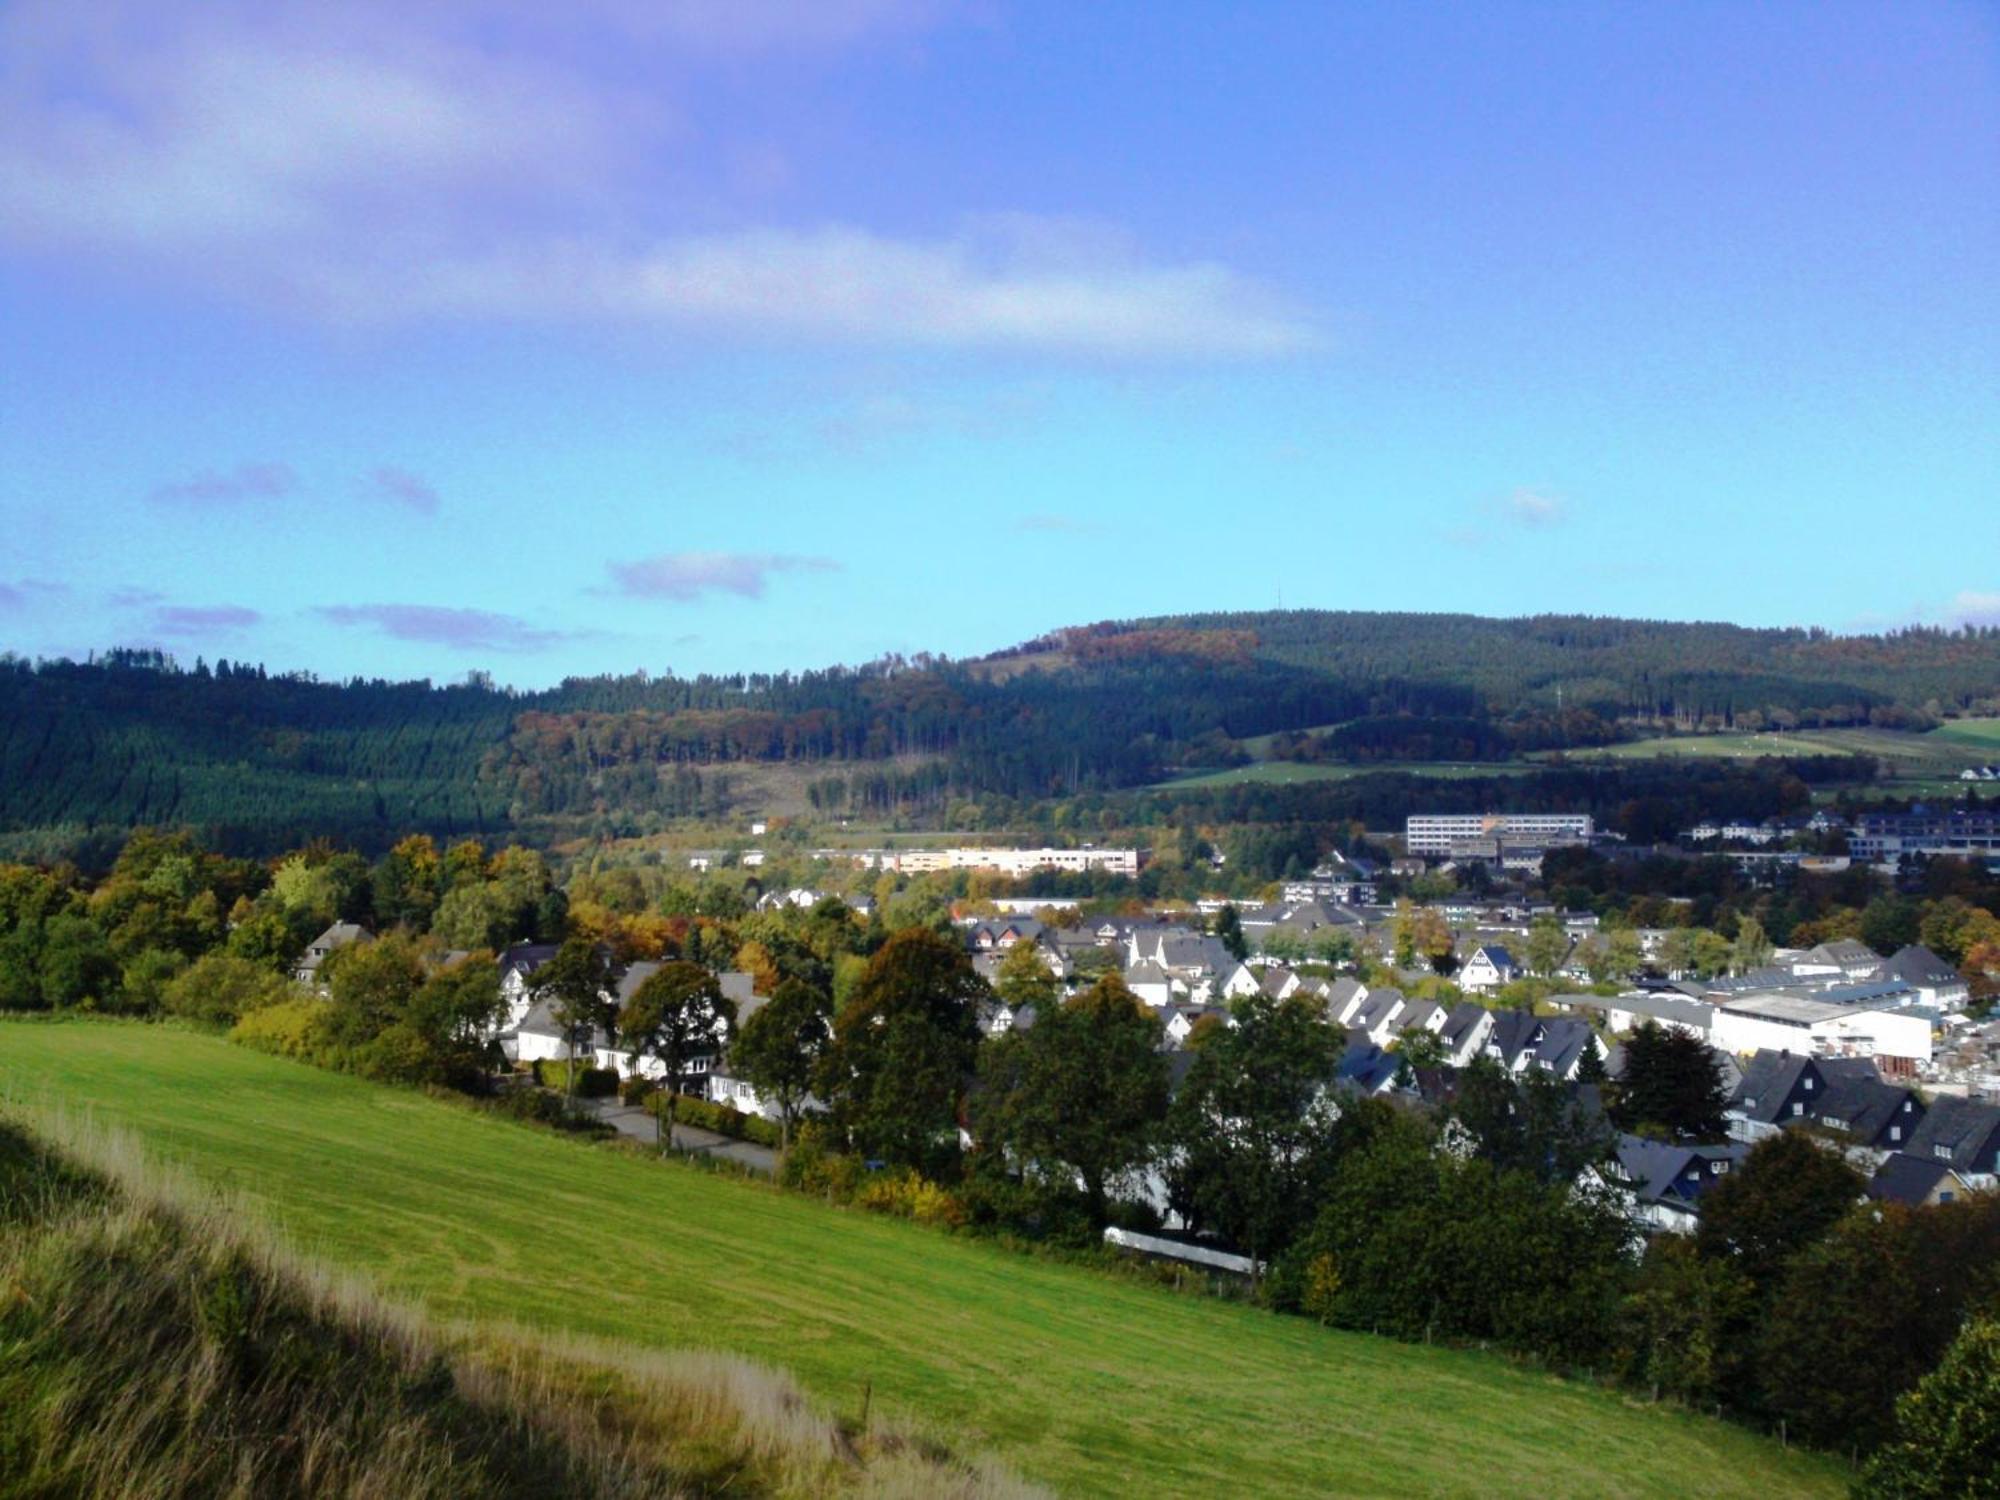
(153, 1345)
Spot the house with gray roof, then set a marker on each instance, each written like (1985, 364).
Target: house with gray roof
(1781, 1088)
(1464, 1032)
(1916, 1181)
(1666, 1183)
(1934, 981)
(1521, 1040)
(1964, 1134)
(339, 935)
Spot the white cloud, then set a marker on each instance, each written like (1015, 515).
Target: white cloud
(686, 576)
(371, 162)
(1533, 508)
(845, 285)
(1973, 607)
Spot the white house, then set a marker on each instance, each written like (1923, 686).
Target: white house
(1490, 967)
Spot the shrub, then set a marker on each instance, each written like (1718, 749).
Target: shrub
(705, 1114)
(636, 1090)
(908, 1196)
(811, 1168)
(536, 1107)
(290, 1028)
(220, 989)
(591, 1083)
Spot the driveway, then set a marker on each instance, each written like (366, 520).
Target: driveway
(635, 1124)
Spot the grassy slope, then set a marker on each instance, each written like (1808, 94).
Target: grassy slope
(1927, 762)
(1096, 1385)
(1286, 772)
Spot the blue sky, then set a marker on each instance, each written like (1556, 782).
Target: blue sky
(734, 334)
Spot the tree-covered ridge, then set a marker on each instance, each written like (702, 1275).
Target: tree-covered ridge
(1669, 669)
(258, 760)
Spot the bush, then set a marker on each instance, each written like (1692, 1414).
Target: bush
(636, 1090)
(907, 1196)
(220, 989)
(811, 1168)
(290, 1028)
(705, 1114)
(591, 1083)
(535, 1107)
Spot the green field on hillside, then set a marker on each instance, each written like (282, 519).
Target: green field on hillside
(1289, 772)
(1940, 754)
(1977, 734)
(1084, 1381)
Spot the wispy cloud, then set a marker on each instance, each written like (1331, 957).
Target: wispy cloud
(842, 284)
(436, 625)
(21, 592)
(1532, 508)
(133, 597)
(245, 482)
(1061, 525)
(374, 162)
(1973, 607)
(1495, 519)
(685, 576)
(192, 620)
(401, 487)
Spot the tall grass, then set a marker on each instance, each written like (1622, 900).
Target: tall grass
(155, 1343)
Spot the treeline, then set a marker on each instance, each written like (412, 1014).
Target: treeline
(1463, 737)
(1670, 671)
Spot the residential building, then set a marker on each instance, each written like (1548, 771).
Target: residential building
(336, 937)
(1490, 967)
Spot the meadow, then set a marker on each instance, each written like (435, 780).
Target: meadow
(1089, 1382)
(1292, 772)
(1937, 755)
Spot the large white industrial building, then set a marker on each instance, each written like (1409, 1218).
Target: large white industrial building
(1428, 834)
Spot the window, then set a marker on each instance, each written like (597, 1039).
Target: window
(1895, 1132)
(1798, 1108)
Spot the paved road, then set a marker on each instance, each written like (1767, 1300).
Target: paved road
(631, 1121)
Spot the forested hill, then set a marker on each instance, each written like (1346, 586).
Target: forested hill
(1654, 669)
(255, 759)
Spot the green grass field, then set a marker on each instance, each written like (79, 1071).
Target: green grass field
(1084, 1381)
(1289, 772)
(1936, 756)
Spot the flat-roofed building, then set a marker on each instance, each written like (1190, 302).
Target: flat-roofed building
(1434, 834)
(1897, 1040)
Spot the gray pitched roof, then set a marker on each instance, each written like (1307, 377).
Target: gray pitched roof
(1865, 1108)
(1464, 1016)
(1903, 1178)
(1916, 964)
(1964, 1133)
(1662, 1173)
